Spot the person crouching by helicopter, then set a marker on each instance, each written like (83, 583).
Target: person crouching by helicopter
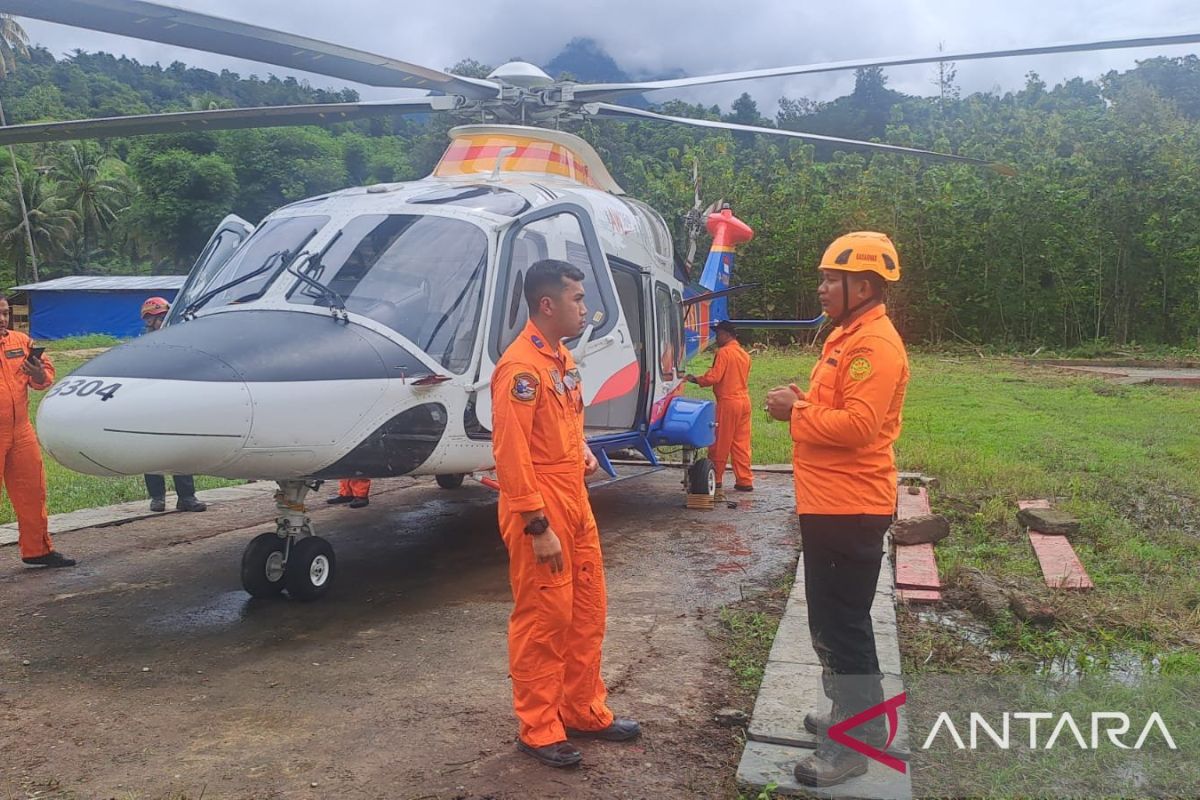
(843, 429)
(729, 378)
(556, 569)
(355, 492)
(154, 314)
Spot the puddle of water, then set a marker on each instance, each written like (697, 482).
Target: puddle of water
(224, 610)
(1123, 666)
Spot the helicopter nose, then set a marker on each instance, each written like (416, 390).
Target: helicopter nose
(109, 422)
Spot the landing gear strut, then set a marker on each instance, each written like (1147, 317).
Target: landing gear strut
(293, 557)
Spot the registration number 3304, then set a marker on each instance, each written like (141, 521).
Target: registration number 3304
(82, 387)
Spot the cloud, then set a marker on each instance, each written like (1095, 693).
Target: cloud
(696, 37)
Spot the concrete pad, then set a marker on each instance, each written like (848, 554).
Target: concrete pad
(789, 691)
(1061, 567)
(765, 764)
(793, 644)
(135, 509)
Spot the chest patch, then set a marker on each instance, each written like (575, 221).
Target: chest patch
(18, 353)
(525, 387)
(860, 369)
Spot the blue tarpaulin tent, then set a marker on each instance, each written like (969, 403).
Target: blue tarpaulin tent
(83, 304)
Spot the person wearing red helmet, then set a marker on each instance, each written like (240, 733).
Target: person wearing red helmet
(154, 314)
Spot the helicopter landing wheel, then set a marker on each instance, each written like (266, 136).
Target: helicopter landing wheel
(452, 481)
(263, 565)
(311, 568)
(702, 478)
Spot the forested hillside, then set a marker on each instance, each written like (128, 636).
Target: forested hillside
(1095, 238)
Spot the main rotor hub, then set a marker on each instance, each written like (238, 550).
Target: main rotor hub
(521, 74)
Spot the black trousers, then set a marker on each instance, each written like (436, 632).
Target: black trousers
(842, 557)
(156, 485)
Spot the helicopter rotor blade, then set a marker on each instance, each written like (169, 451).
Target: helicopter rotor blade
(586, 93)
(217, 120)
(169, 25)
(623, 112)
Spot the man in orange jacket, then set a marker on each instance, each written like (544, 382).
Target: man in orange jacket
(21, 468)
(843, 429)
(556, 568)
(729, 377)
(355, 491)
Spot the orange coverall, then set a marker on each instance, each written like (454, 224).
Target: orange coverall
(556, 628)
(21, 468)
(354, 487)
(844, 429)
(729, 378)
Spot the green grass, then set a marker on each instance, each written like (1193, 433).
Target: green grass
(1124, 459)
(67, 490)
(88, 342)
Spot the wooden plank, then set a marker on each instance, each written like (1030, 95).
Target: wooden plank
(1061, 567)
(914, 596)
(916, 567)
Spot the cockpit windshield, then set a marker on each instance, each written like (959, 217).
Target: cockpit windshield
(251, 269)
(422, 276)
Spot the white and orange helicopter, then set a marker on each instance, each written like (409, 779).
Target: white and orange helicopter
(355, 334)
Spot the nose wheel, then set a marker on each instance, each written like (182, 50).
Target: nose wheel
(292, 557)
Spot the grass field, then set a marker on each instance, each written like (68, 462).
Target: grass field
(1124, 459)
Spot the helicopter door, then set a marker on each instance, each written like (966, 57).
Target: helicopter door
(224, 242)
(668, 326)
(605, 352)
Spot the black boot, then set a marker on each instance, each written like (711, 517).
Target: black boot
(52, 559)
(360, 502)
(340, 499)
(158, 504)
(619, 730)
(559, 754)
(830, 765)
(190, 504)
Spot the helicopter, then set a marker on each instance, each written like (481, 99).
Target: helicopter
(354, 334)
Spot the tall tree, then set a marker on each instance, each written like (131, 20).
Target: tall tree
(95, 186)
(14, 42)
(34, 212)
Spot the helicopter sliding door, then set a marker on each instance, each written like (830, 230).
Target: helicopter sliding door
(605, 352)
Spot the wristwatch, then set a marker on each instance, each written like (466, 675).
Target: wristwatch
(537, 527)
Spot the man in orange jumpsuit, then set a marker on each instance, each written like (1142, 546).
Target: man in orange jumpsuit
(729, 378)
(556, 569)
(354, 491)
(21, 468)
(843, 429)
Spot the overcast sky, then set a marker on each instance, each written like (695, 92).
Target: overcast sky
(698, 37)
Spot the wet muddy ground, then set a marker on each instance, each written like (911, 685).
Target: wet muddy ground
(148, 673)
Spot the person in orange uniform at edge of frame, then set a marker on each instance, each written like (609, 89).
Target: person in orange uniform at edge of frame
(729, 376)
(354, 491)
(843, 430)
(21, 468)
(154, 314)
(556, 568)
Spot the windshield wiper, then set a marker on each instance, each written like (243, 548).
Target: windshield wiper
(283, 255)
(313, 266)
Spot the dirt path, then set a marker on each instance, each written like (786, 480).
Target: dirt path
(151, 675)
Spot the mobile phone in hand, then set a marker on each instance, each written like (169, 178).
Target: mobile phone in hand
(35, 353)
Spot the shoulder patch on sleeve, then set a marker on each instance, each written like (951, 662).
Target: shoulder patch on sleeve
(525, 387)
(860, 368)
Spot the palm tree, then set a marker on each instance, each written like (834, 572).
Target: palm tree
(95, 186)
(14, 42)
(37, 217)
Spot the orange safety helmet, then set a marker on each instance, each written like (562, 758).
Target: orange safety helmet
(155, 306)
(863, 251)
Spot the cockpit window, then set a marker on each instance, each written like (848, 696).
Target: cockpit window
(422, 276)
(268, 250)
(481, 198)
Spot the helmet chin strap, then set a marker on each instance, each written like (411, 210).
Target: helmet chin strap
(847, 310)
